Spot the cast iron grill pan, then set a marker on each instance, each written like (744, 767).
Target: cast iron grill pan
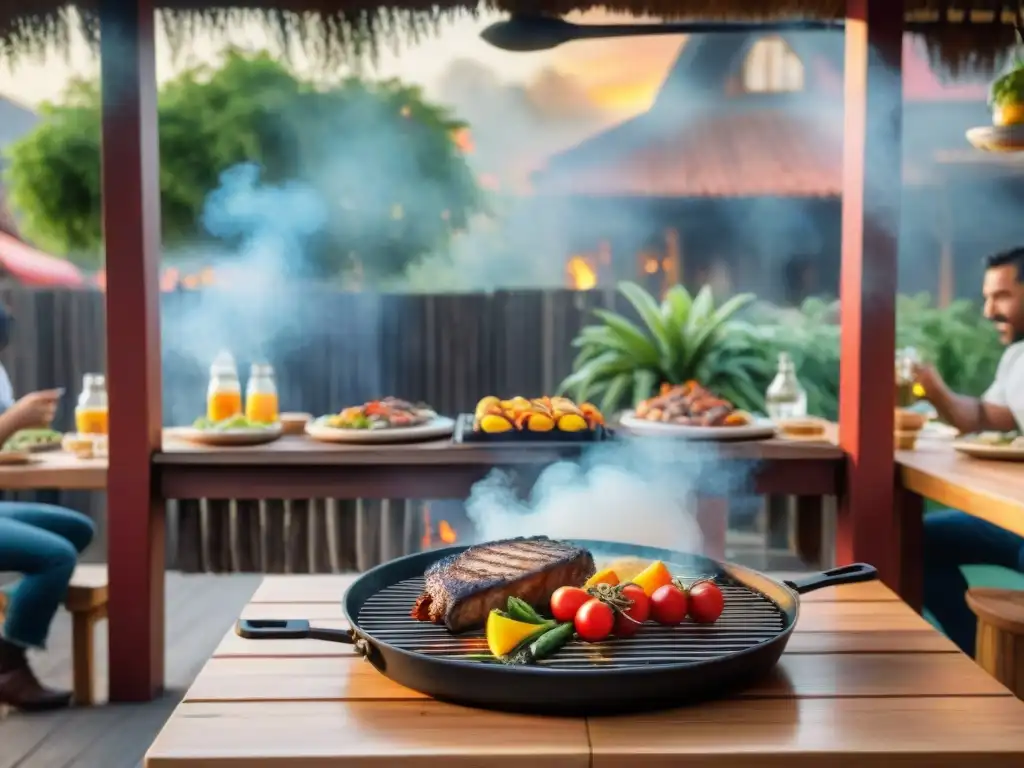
(660, 667)
(747, 620)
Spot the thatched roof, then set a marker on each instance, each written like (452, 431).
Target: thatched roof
(975, 33)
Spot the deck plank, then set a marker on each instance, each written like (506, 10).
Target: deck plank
(200, 609)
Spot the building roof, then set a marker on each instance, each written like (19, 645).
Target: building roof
(697, 142)
(31, 267)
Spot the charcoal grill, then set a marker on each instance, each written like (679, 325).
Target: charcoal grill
(659, 667)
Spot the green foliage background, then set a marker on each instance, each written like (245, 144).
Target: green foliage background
(383, 157)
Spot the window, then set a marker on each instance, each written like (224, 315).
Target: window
(772, 67)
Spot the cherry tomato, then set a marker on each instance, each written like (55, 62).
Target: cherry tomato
(567, 601)
(705, 602)
(668, 605)
(627, 623)
(594, 621)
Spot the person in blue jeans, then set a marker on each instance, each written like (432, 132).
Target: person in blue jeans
(953, 539)
(42, 543)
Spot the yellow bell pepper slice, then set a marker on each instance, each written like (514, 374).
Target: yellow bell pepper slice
(604, 576)
(653, 577)
(504, 635)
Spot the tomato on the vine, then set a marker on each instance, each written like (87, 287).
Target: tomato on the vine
(705, 602)
(594, 621)
(567, 601)
(668, 605)
(628, 621)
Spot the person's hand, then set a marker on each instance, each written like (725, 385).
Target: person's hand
(36, 409)
(929, 379)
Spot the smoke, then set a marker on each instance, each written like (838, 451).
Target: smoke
(636, 492)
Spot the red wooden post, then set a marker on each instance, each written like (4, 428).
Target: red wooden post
(131, 223)
(872, 183)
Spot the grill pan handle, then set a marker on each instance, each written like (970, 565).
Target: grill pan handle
(847, 574)
(289, 629)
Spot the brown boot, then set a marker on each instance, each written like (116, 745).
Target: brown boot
(19, 687)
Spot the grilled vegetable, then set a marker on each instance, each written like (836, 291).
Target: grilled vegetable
(594, 620)
(668, 605)
(572, 422)
(604, 576)
(653, 576)
(505, 634)
(628, 620)
(567, 601)
(520, 610)
(495, 424)
(544, 646)
(705, 602)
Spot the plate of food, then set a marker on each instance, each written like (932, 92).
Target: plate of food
(540, 419)
(689, 411)
(15, 458)
(233, 431)
(1001, 446)
(34, 440)
(388, 420)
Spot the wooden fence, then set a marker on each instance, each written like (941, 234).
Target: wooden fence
(329, 349)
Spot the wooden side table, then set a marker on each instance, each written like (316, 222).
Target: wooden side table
(1000, 646)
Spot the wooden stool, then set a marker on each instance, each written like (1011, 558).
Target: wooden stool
(1000, 645)
(86, 601)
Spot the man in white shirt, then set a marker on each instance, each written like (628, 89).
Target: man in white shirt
(954, 539)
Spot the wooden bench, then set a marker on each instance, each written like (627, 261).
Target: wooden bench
(1000, 645)
(86, 601)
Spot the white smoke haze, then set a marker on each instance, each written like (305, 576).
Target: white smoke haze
(641, 492)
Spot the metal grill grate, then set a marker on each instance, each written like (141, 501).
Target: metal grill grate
(748, 619)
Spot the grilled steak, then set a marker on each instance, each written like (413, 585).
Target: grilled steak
(462, 589)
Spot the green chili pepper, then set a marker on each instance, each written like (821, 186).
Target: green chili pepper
(537, 648)
(520, 610)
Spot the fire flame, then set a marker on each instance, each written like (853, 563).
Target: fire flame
(581, 274)
(445, 533)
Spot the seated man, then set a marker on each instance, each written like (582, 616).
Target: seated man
(954, 539)
(42, 542)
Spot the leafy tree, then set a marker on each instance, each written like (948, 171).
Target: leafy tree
(385, 162)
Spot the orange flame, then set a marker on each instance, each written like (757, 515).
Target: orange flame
(446, 533)
(581, 274)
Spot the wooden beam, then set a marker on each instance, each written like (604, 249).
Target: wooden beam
(131, 223)
(872, 184)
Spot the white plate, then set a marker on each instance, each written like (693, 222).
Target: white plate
(439, 426)
(759, 430)
(936, 430)
(992, 138)
(228, 437)
(996, 452)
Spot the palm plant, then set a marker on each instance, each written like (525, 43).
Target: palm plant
(684, 337)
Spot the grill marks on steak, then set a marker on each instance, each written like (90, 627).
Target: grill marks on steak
(461, 590)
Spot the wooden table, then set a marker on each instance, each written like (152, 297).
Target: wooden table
(57, 470)
(864, 679)
(991, 490)
(298, 467)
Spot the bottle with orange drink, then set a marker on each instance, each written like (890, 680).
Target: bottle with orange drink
(224, 395)
(261, 395)
(91, 413)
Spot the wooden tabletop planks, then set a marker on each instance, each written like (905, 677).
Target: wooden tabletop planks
(863, 678)
(55, 470)
(991, 490)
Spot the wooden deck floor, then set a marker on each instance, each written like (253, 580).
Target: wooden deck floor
(200, 608)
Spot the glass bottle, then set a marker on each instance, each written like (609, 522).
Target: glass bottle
(785, 398)
(224, 395)
(91, 412)
(261, 394)
(907, 390)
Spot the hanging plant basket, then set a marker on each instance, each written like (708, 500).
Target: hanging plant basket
(1007, 101)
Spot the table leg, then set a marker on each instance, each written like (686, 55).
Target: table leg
(713, 521)
(809, 514)
(909, 523)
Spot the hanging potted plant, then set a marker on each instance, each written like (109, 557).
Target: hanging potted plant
(1006, 99)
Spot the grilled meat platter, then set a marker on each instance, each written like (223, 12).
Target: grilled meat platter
(691, 405)
(462, 589)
